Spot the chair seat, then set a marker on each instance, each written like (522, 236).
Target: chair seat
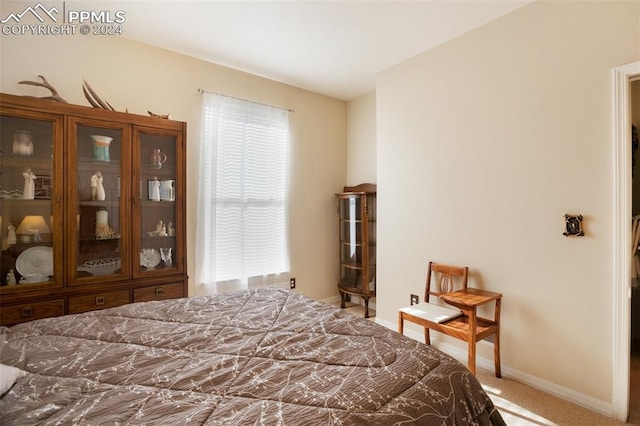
(432, 312)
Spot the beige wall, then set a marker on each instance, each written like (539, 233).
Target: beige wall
(140, 78)
(484, 143)
(361, 140)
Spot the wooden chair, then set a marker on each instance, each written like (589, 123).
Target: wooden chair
(460, 319)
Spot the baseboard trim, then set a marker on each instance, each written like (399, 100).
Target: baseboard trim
(585, 401)
(331, 300)
(354, 299)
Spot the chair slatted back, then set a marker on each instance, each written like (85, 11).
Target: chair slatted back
(448, 279)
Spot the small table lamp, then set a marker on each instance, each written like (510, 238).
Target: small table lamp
(31, 229)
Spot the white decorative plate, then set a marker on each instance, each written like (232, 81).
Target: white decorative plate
(149, 258)
(36, 260)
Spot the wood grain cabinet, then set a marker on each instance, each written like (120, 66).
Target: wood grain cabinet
(92, 208)
(158, 292)
(357, 243)
(31, 311)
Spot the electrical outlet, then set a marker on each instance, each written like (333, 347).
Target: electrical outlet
(415, 299)
(292, 283)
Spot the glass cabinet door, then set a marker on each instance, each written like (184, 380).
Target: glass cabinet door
(351, 242)
(30, 201)
(357, 243)
(350, 247)
(371, 218)
(99, 202)
(158, 232)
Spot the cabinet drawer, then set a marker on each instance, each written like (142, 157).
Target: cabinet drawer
(98, 301)
(158, 292)
(31, 311)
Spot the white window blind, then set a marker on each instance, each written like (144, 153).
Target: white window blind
(242, 237)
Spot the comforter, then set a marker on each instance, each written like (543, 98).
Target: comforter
(267, 356)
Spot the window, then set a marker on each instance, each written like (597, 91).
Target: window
(242, 235)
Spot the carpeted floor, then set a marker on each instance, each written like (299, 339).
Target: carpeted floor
(520, 404)
(523, 405)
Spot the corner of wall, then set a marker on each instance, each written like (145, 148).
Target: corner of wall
(361, 140)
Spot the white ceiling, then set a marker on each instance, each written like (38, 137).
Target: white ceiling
(329, 47)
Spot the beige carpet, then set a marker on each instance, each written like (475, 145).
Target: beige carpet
(523, 405)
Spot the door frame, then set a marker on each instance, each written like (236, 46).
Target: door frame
(622, 194)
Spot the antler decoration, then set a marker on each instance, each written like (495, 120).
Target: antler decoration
(93, 97)
(165, 116)
(54, 93)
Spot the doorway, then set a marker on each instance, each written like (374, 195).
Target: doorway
(623, 77)
(634, 365)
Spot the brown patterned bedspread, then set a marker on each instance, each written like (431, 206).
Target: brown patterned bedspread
(267, 356)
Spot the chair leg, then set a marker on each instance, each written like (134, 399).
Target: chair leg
(472, 338)
(496, 339)
(427, 338)
(400, 323)
(496, 353)
(472, 356)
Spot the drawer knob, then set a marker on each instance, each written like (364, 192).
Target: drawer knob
(99, 300)
(160, 291)
(26, 312)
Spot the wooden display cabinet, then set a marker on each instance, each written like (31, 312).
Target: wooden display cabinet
(357, 239)
(103, 222)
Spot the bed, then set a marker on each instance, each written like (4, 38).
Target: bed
(265, 356)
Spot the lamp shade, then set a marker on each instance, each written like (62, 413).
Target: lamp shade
(33, 225)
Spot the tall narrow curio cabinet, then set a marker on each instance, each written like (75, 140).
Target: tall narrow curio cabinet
(357, 235)
(92, 209)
